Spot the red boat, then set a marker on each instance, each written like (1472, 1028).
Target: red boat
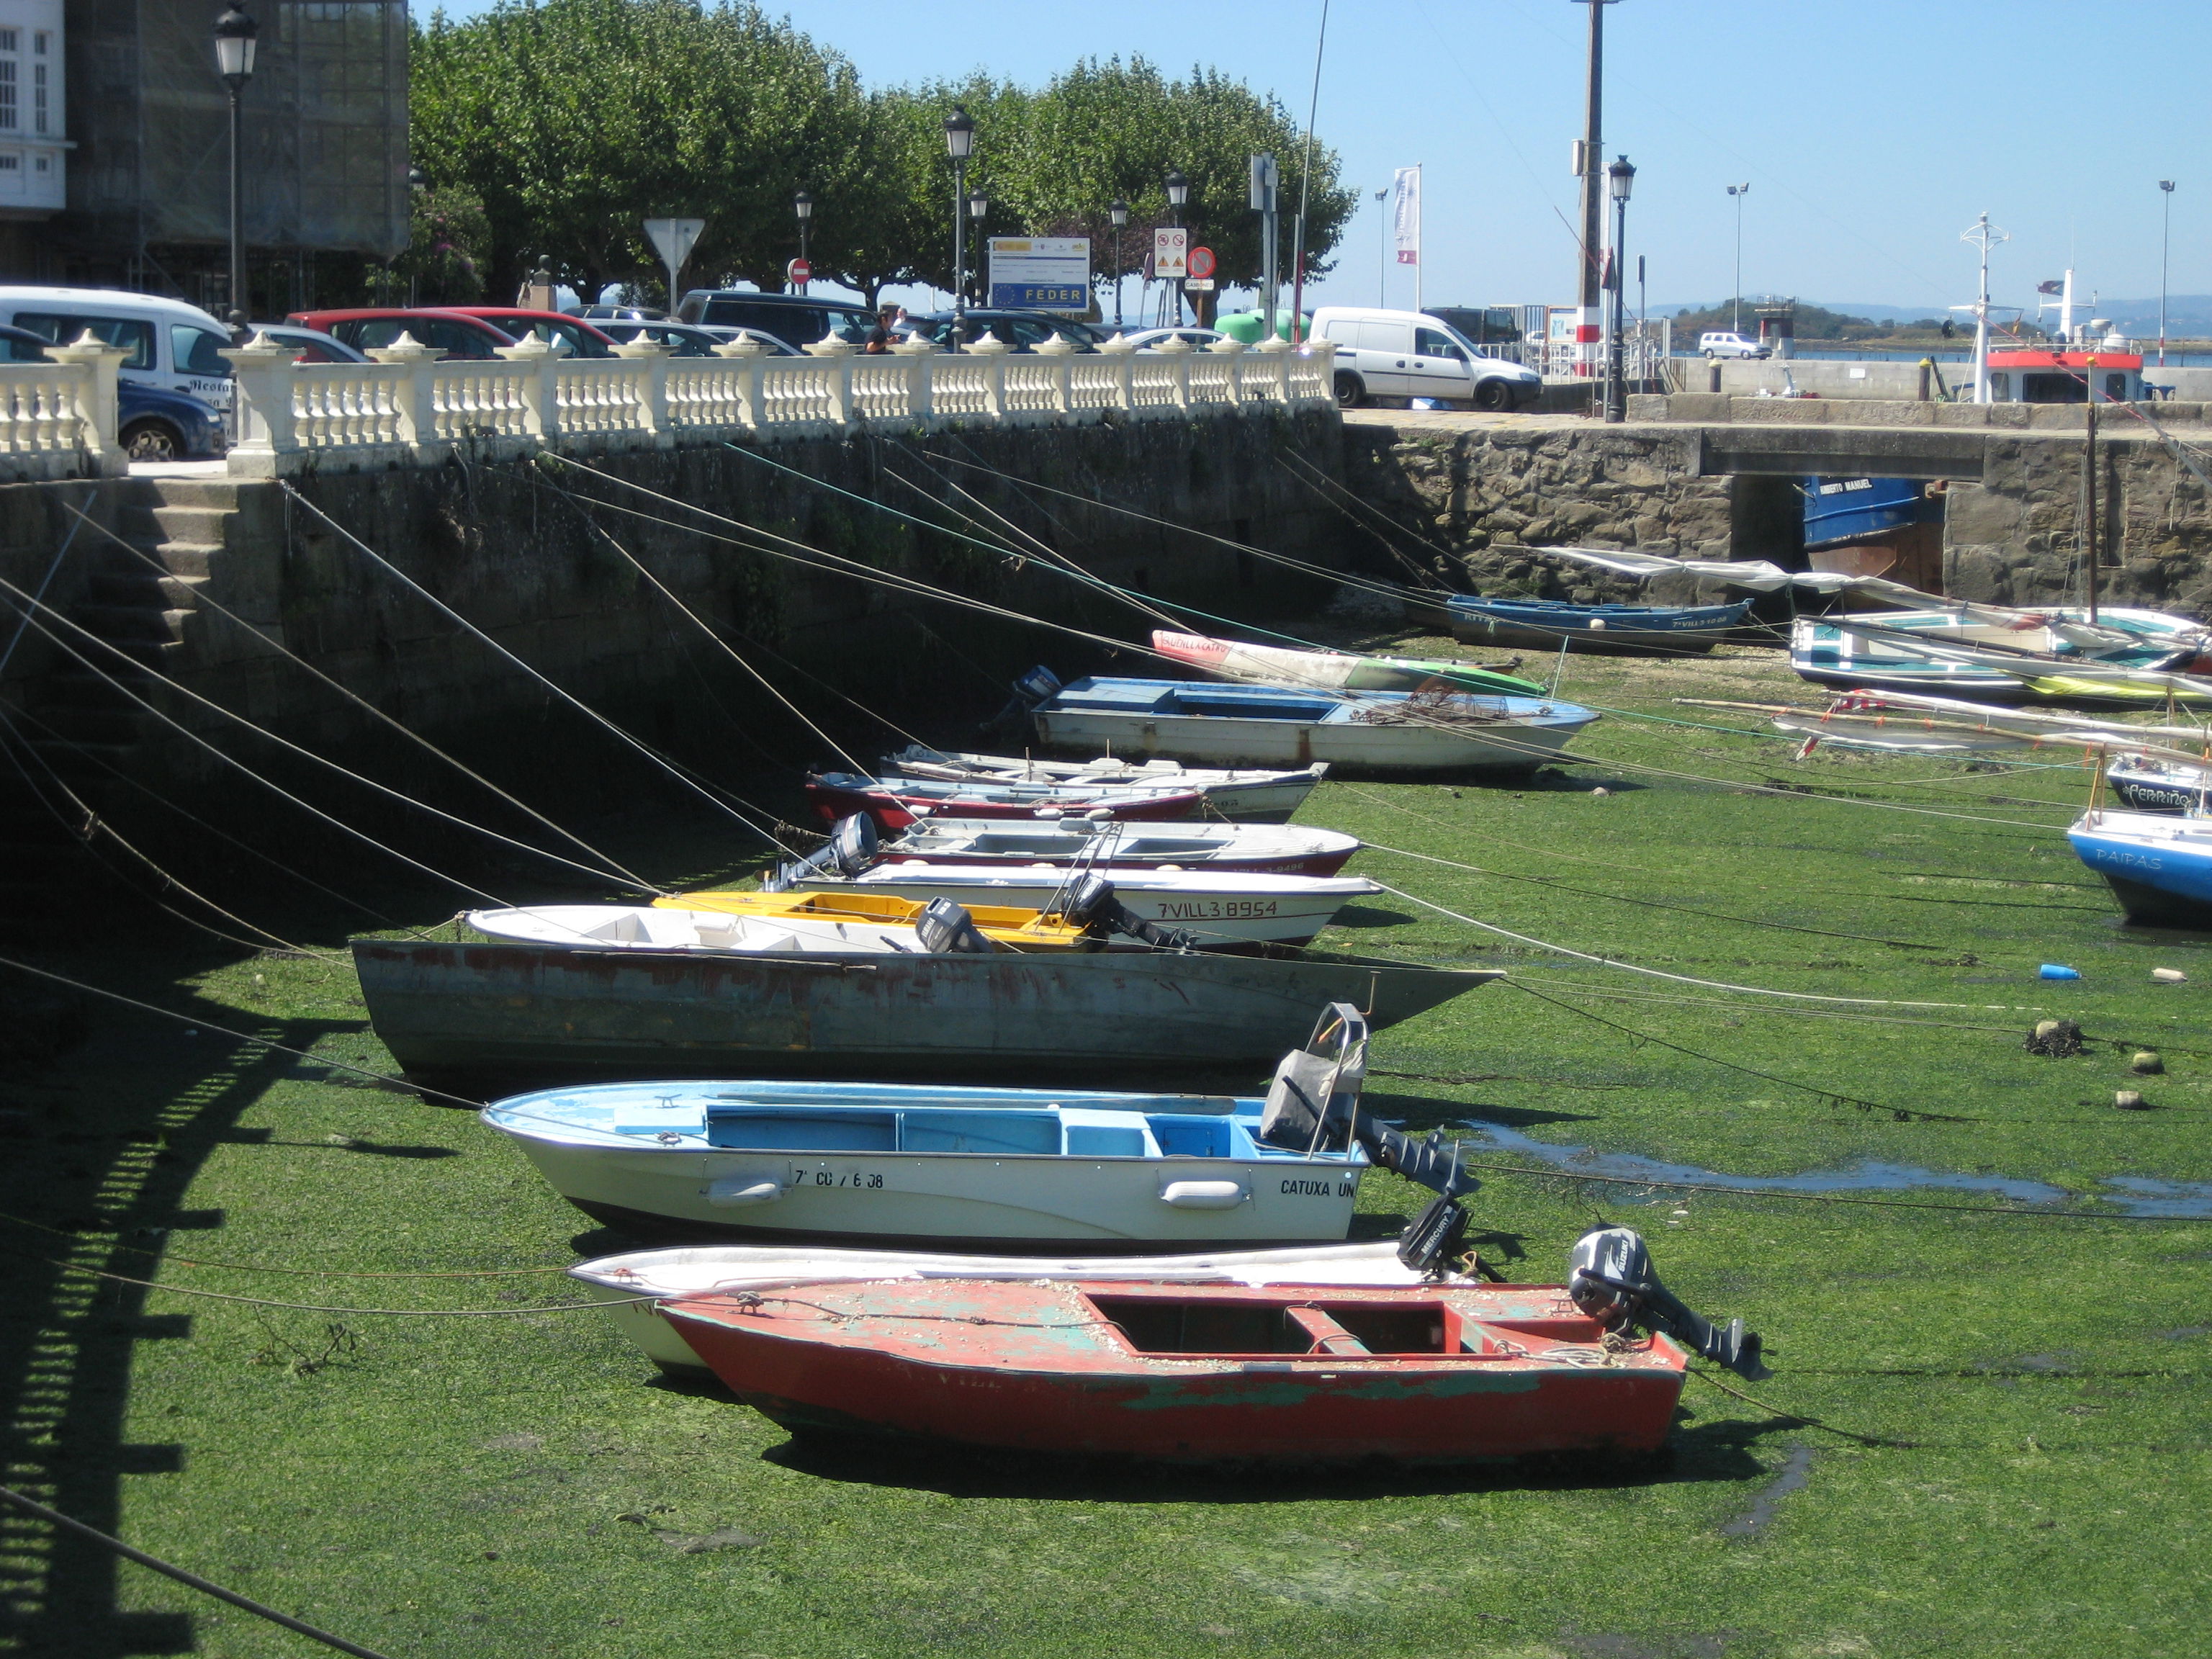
(893, 802)
(1194, 1372)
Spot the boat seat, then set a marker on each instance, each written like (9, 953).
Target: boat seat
(1327, 1336)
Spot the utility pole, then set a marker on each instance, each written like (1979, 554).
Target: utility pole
(2165, 243)
(1589, 329)
(1264, 182)
(1735, 300)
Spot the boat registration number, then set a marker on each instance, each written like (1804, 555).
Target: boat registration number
(1216, 909)
(859, 1180)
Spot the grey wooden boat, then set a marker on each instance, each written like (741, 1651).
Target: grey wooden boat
(465, 1016)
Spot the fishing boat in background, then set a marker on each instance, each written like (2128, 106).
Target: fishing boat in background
(1247, 796)
(674, 1273)
(916, 1166)
(1891, 528)
(1282, 849)
(471, 1016)
(1260, 725)
(848, 922)
(895, 802)
(1995, 654)
(1335, 670)
(2159, 783)
(1550, 624)
(2159, 866)
(1273, 1374)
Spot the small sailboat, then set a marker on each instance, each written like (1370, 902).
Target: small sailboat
(1275, 1374)
(1264, 725)
(1335, 670)
(2159, 783)
(896, 801)
(677, 1273)
(1995, 654)
(1550, 624)
(1245, 796)
(770, 922)
(1283, 849)
(2159, 866)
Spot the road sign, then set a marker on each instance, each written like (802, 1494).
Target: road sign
(1199, 284)
(674, 239)
(799, 272)
(1201, 262)
(1040, 273)
(1170, 251)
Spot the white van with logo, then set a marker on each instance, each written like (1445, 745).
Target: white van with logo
(1410, 354)
(171, 345)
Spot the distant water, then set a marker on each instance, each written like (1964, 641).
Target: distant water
(1955, 354)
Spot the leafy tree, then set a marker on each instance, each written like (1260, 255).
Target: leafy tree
(443, 261)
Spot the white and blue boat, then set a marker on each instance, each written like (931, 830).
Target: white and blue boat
(1235, 725)
(2158, 866)
(1548, 624)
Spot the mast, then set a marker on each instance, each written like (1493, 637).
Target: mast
(1983, 235)
(2090, 482)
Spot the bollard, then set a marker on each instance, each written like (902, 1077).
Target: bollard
(1713, 375)
(1927, 372)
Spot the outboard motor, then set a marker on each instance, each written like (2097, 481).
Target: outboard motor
(853, 844)
(944, 928)
(1610, 1277)
(1094, 907)
(1039, 685)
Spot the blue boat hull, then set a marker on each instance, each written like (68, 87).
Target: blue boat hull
(1546, 624)
(2159, 887)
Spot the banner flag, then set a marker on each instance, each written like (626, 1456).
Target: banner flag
(1406, 213)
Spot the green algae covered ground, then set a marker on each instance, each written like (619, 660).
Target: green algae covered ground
(1987, 1433)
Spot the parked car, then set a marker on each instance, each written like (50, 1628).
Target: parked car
(173, 346)
(1024, 331)
(455, 335)
(1198, 339)
(151, 424)
(569, 337)
(603, 314)
(1725, 344)
(688, 341)
(1413, 354)
(797, 319)
(313, 344)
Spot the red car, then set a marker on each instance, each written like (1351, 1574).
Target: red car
(455, 333)
(569, 337)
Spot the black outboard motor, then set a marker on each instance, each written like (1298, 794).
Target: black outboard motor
(850, 849)
(1094, 907)
(944, 928)
(1039, 685)
(1610, 1277)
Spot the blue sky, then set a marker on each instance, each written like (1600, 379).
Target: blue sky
(1871, 132)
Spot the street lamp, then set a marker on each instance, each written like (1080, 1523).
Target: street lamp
(1621, 177)
(418, 186)
(802, 205)
(234, 34)
(1178, 193)
(1735, 300)
(978, 206)
(959, 141)
(1118, 212)
(2165, 241)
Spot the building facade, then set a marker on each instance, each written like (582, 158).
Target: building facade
(33, 113)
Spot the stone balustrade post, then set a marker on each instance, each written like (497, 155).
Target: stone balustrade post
(1179, 353)
(261, 403)
(1060, 352)
(840, 354)
(992, 350)
(1123, 354)
(920, 357)
(1275, 352)
(748, 356)
(1234, 351)
(653, 416)
(541, 390)
(415, 395)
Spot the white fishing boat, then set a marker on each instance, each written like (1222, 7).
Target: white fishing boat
(708, 1269)
(1250, 795)
(929, 1167)
(1261, 725)
(1218, 910)
(774, 923)
(1284, 849)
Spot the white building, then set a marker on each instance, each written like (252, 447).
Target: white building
(34, 117)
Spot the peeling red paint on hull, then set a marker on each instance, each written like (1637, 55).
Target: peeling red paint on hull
(1431, 1374)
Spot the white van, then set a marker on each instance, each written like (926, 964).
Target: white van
(1410, 354)
(171, 345)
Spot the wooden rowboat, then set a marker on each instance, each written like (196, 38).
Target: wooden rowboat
(1279, 849)
(1547, 624)
(1442, 1373)
(1340, 670)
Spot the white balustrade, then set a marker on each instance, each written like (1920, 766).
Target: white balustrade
(408, 405)
(57, 418)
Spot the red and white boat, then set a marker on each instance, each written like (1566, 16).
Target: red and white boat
(1434, 1373)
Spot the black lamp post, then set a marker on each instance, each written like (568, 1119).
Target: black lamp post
(802, 205)
(1118, 212)
(1621, 176)
(1736, 304)
(234, 34)
(418, 185)
(959, 143)
(1178, 193)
